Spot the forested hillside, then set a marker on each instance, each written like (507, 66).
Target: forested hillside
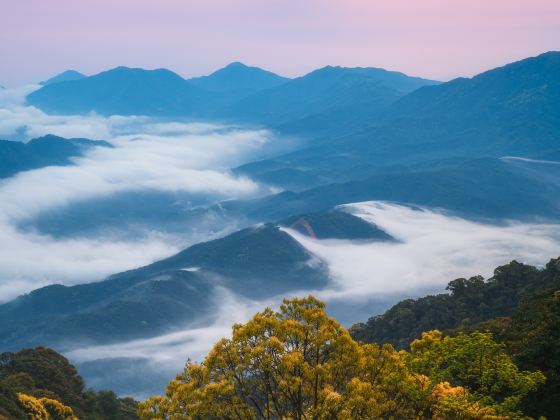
(33, 381)
(498, 357)
(519, 305)
(298, 363)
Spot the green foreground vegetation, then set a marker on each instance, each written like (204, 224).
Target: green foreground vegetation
(519, 305)
(489, 349)
(40, 384)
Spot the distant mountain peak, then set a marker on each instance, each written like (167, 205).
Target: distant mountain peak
(65, 76)
(126, 69)
(47, 137)
(121, 90)
(238, 76)
(236, 64)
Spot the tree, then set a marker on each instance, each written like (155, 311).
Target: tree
(42, 375)
(477, 363)
(298, 363)
(45, 408)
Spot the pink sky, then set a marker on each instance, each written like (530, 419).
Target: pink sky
(439, 39)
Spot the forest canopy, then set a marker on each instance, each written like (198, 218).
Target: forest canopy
(299, 363)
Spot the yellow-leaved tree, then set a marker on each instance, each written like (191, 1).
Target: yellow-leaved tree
(298, 363)
(45, 408)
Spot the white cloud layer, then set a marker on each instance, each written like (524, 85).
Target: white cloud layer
(147, 154)
(432, 249)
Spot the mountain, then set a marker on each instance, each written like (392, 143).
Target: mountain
(123, 91)
(239, 78)
(256, 262)
(326, 89)
(236, 93)
(513, 110)
(473, 188)
(65, 76)
(335, 224)
(43, 151)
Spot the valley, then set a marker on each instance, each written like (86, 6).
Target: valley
(203, 200)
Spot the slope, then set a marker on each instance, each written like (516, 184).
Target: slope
(43, 151)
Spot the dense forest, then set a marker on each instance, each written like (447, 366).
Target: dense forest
(299, 363)
(519, 305)
(40, 384)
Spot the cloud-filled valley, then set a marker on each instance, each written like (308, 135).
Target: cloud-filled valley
(188, 159)
(431, 249)
(170, 228)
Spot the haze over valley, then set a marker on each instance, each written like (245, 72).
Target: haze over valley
(145, 213)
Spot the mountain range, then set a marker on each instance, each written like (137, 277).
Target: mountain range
(513, 110)
(257, 263)
(486, 147)
(237, 92)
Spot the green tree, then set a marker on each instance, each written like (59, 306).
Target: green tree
(298, 363)
(477, 363)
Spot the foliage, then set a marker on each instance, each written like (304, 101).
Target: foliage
(519, 305)
(470, 301)
(532, 337)
(477, 363)
(42, 381)
(45, 408)
(298, 363)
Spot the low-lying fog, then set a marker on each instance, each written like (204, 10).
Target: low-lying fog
(432, 247)
(192, 159)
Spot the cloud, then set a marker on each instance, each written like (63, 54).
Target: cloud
(144, 366)
(147, 155)
(186, 163)
(30, 261)
(175, 347)
(432, 249)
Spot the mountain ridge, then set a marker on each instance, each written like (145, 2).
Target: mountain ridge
(48, 150)
(257, 262)
(65, 76)
(237, 76)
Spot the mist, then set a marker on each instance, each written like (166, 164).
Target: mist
(431, 249)
(147, 155)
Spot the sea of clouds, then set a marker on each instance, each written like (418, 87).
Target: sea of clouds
(431, 249)
(147, 154)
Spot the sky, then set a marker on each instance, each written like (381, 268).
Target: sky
(438, 39)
